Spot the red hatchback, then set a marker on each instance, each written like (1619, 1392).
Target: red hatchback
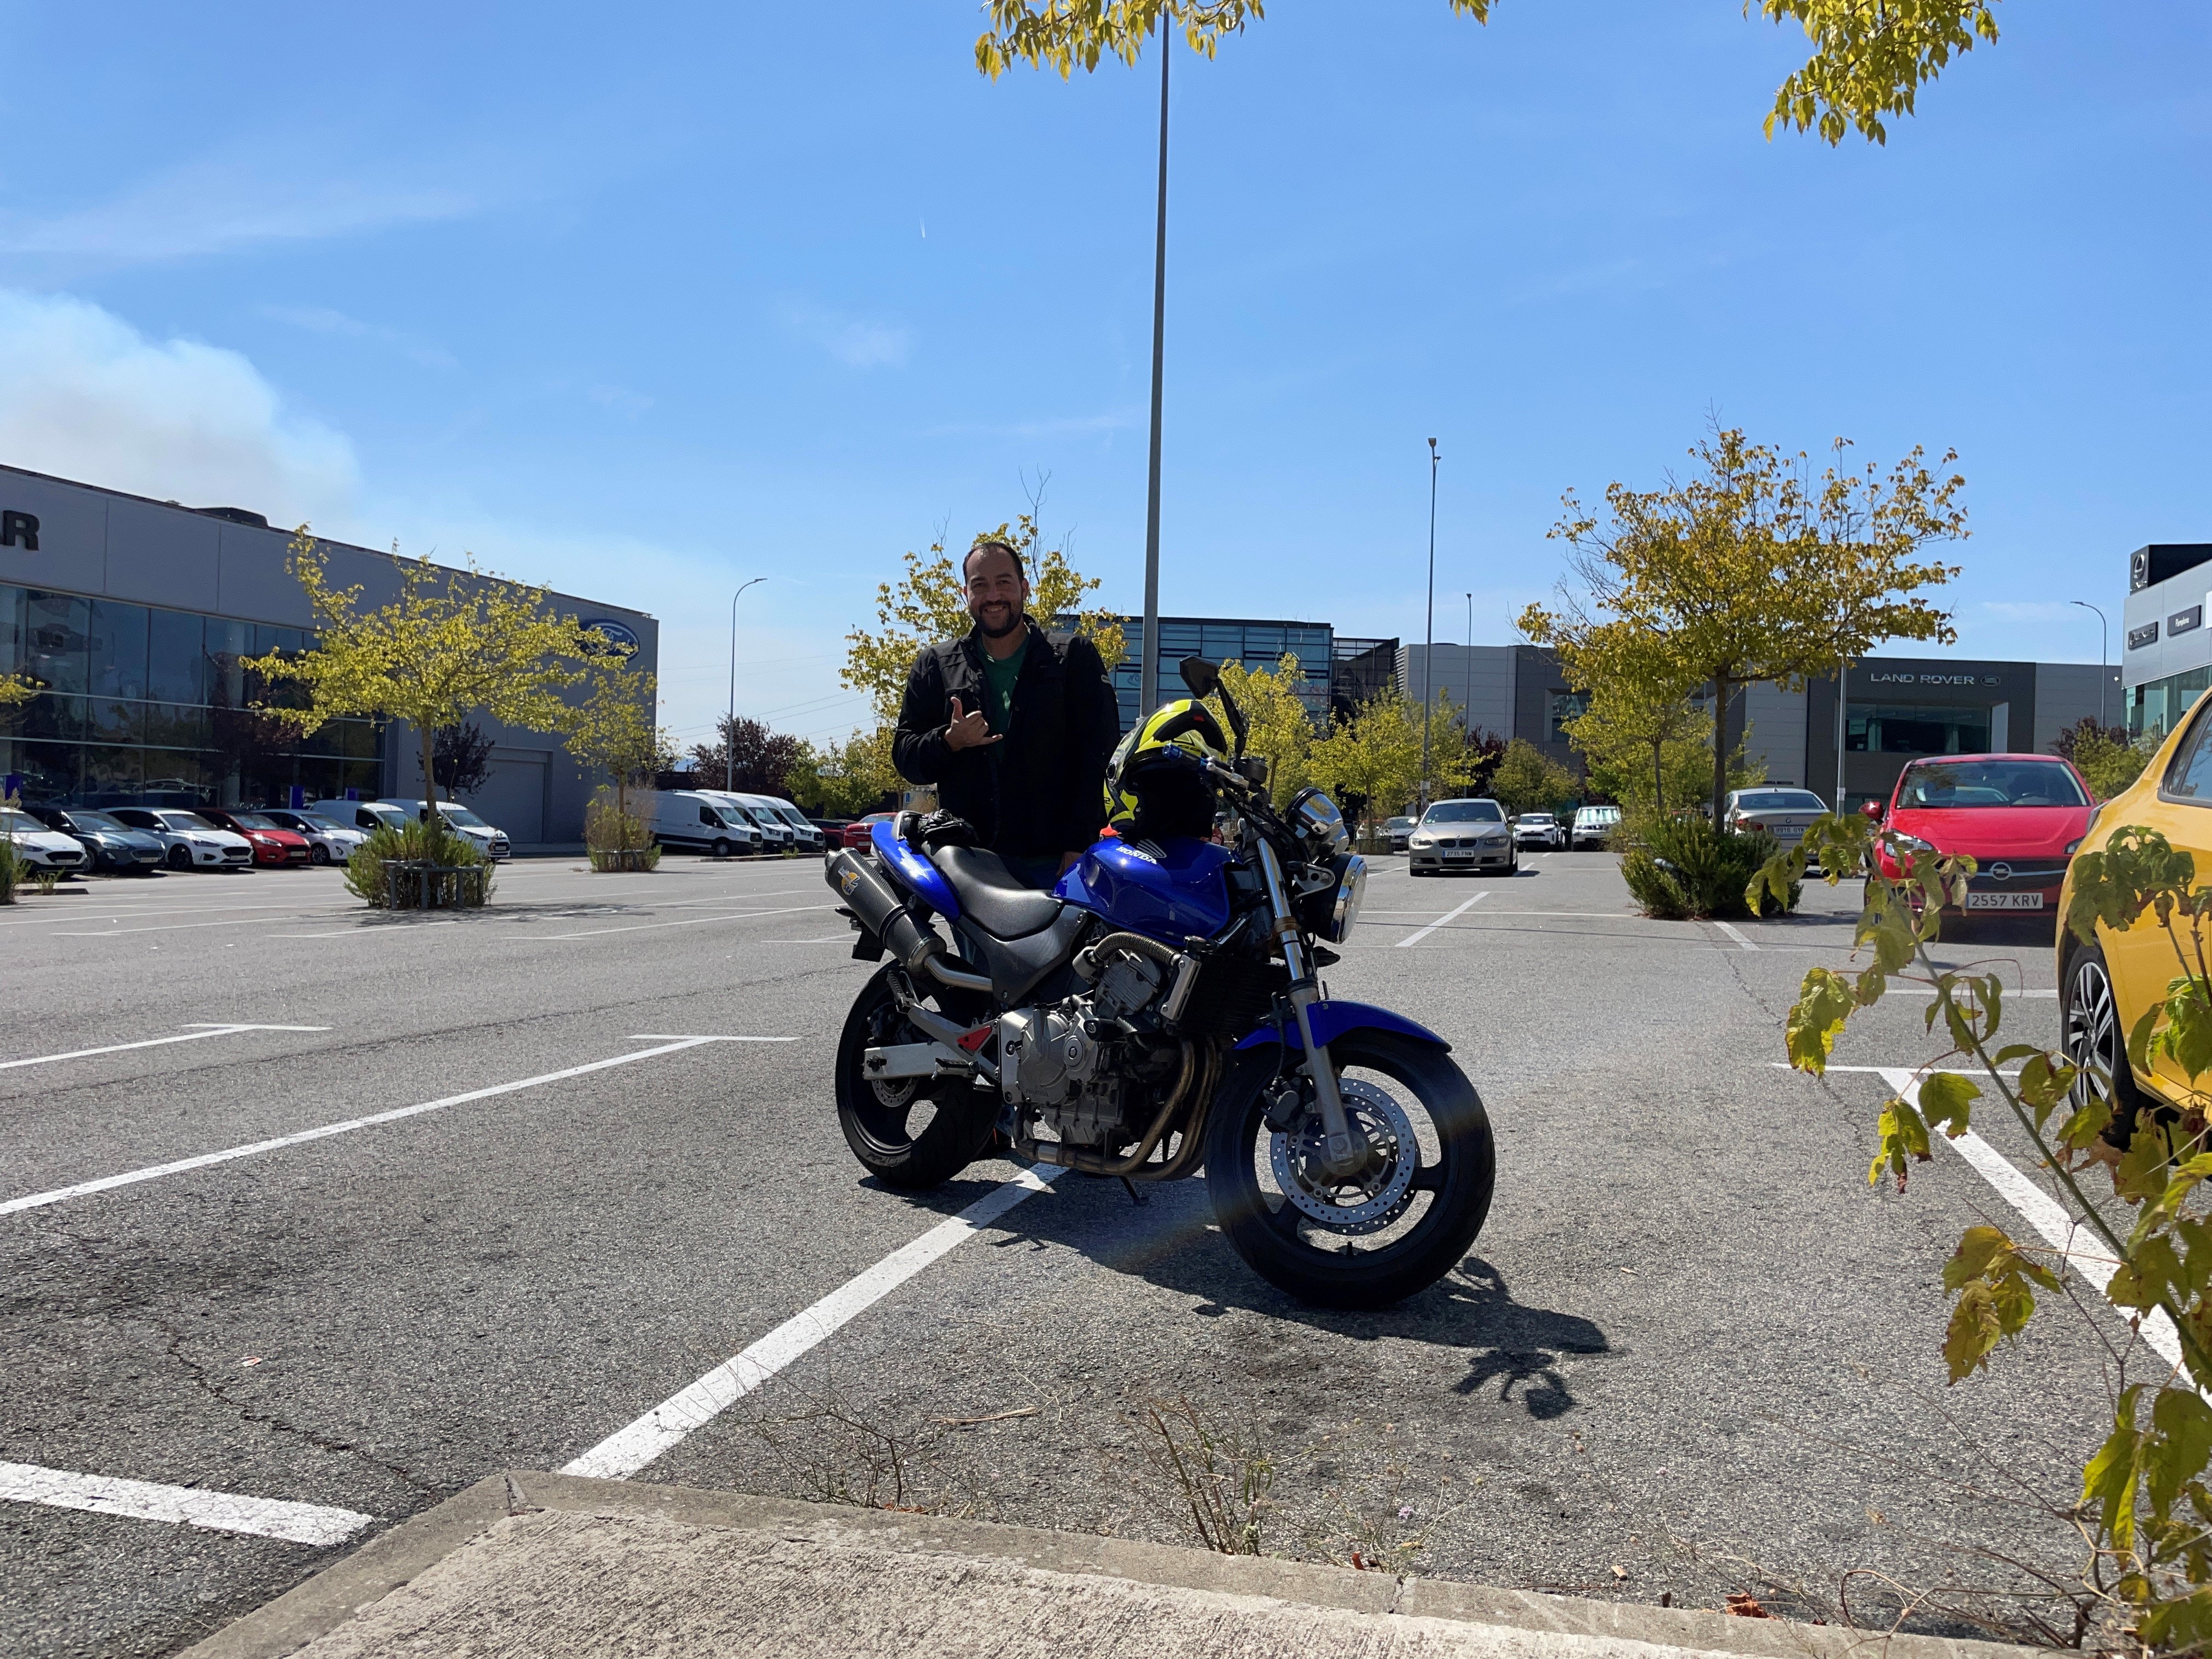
(2020, 816)
(856, 833)
(272, 841)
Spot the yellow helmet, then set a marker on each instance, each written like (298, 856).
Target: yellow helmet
(1155, 784)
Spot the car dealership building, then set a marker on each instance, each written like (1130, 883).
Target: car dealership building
(132, 616)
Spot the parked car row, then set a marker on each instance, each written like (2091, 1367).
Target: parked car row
(722, 822)
(137, 840)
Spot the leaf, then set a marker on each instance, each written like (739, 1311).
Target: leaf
(1947, 1100)
(1903, 1135)
(1973, 1330)
(2181, 1445)
(1977, 1248)
(2108, 1481)
(1824, 1000)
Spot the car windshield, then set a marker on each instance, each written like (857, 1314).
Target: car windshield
(1465, 811)
(1535, 817)
(1780, 801)
(728, 816)
(1399, 823)
(792, 816)
(460, 816)
(93, 821)
(1953, 784)
(187, 821)
(255, 821)
(20, 823)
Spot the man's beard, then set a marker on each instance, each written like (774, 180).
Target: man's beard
(1013, 620)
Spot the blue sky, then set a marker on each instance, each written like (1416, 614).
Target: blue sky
(644, 303)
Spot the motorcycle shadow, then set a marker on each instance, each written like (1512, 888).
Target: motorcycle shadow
(1524, 1351)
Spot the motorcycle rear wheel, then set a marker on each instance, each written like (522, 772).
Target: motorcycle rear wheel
(1334, 1250)
(916, 1134)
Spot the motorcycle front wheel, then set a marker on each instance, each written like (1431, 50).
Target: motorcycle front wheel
(1392, 1227)
(909, 1132)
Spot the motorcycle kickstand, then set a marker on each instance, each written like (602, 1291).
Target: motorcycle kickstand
(1135, 1197)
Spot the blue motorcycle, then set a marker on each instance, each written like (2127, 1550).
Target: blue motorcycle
(1157, 1013)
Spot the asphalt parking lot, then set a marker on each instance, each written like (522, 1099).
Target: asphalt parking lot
(1691, 1353)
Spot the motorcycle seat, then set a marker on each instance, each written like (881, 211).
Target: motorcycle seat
(992, 896)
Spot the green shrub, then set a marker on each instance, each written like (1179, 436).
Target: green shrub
(12, 871)
(615, 839)
(1681, 866)
(369, 877)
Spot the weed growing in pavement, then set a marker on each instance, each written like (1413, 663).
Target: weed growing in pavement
(1219, 1465)
(46, 877)
(823, 1448)
(2144, 1514)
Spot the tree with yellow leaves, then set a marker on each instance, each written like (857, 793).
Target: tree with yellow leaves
(452, 643)
(1373, 759)
(1751, 570)
(1280, 729)
(1869, 57)
(615, 731)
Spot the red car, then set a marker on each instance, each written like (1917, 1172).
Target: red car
(2020, 816)
(272, 841)
(856, 833)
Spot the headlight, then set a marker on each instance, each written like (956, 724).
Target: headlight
(206, 845)
(1316, 819)
(2074, 847)
(1422, 840)
(1493, 836)
(1351, 891)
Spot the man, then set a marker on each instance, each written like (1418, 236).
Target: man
(1012, 725)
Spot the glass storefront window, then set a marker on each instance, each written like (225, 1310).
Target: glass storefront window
(115, 639)
(1886, 729)
(174, 672)
(55, 647)
(112, 777)
(2158, 706)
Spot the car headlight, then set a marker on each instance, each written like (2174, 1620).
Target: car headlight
(206, 845)
(2074, 845)
(1422, 840)
(1493, 836)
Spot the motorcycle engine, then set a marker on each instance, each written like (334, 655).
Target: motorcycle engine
(1071, 1063)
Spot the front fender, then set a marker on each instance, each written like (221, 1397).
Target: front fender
(1332, 1019)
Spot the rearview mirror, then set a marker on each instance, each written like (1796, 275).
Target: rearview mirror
(1200, 676)
(1873, 809)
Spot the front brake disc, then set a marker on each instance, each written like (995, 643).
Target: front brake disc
(1373, 1197)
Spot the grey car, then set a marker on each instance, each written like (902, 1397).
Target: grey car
(1400, 830)
(108, 843)
(1784, 812)
(1462, 835)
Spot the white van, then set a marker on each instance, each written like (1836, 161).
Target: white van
(776, 835)
(688, 820)
(490, 841)
(366, 816)
(806, 836)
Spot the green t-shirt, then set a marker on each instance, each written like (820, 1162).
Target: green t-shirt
(998, 678)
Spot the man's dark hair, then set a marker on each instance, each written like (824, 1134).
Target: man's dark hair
(986, 545)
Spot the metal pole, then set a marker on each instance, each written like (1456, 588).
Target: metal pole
(1842, 679)
(1429, 647)
(730, 732)
(2104, 662)
(1467, 707)
(1148, 672)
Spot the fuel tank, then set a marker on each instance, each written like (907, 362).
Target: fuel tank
(1170, 889)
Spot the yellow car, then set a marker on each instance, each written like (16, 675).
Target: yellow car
(2104, 988)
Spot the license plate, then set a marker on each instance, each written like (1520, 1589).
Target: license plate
(1790, 832)
(1459, 855)
(2004, 901)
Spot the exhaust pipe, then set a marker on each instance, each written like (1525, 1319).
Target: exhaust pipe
(876, 905)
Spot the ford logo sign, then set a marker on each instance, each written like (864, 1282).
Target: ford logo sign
(2000, 871)
(619, 636)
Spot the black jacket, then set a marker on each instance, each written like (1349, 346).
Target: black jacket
(1040, 788)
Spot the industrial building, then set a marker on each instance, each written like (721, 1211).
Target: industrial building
(132, 615)
(2167, 662)
(1339, 673)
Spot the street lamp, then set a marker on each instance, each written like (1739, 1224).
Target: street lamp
(1429, 646)
(1148, 672)
(2104, 660)
(1466, 717)
(730, 732)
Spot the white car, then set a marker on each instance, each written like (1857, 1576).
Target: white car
(39, 846)
(193, 842)
(686, 819)
(491, 842)
(329, 842)
(362, 816)
(1538, 829)
(776, 835)
(1593, 825)
(805, 835)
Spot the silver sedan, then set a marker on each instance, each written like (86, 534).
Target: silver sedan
(1462, 835)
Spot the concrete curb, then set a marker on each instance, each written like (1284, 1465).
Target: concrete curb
(334, 1595)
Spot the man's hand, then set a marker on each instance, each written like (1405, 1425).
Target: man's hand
(969, 731)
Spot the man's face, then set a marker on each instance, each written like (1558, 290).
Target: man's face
(997, 595)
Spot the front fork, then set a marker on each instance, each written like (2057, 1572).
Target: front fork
(1340, 1156)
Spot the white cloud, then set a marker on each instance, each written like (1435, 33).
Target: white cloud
(88, 397)
(321, 319)
(223, 201)
(852, 341)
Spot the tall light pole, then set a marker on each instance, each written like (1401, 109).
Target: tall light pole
(1429, 646)
(1465, 717)
(730, 732)
(1148, 672)
(2104, 659)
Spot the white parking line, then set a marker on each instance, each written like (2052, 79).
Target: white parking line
(164, 928)
(83, 1188)
(366, 927)
(1736, 936)
(185, 1506)
(627, 1450)
(688, 921)
(1415, 939)
(153, 1042)
(2041, 1212)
